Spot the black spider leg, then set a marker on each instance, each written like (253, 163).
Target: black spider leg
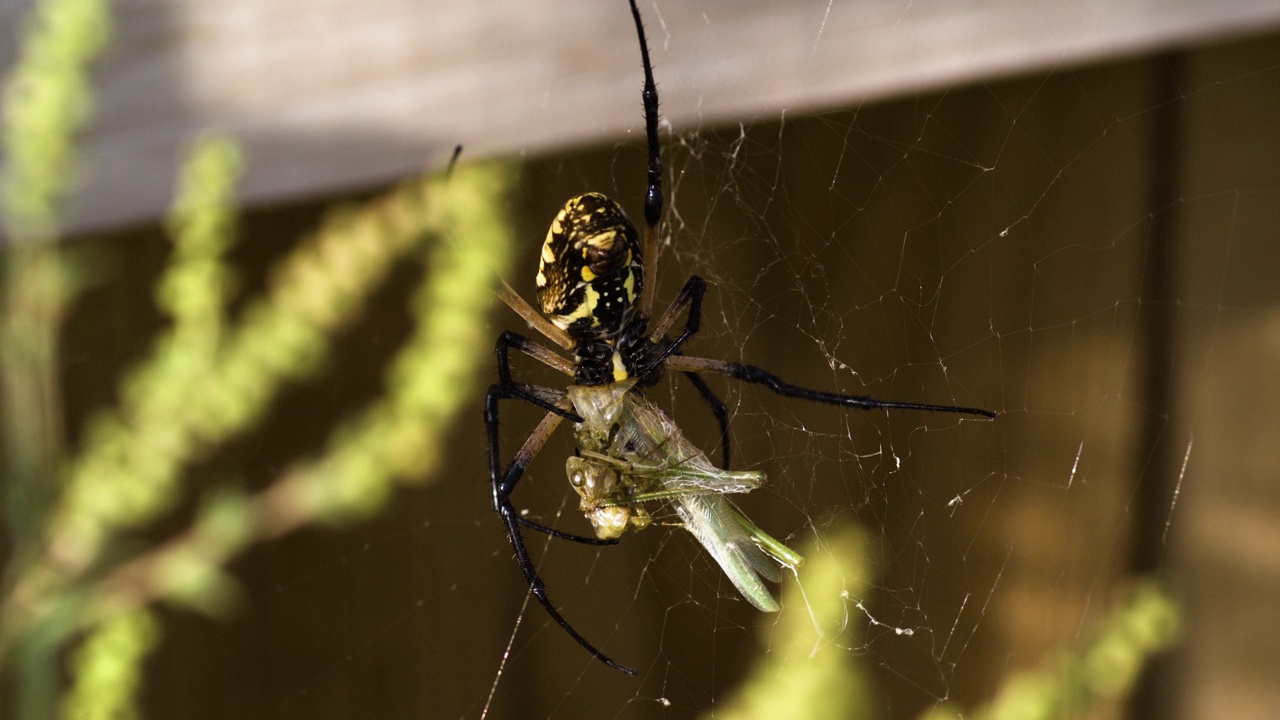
(653, 199)
(503, 483)
(718, 409)
(533, 394)
(753, 374)
(653, 194)
(536, 395)
(692, 296)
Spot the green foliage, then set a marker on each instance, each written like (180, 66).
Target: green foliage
(810, 669)
(47, 102)
(108, 668)
(1079, 682)
(205, 380)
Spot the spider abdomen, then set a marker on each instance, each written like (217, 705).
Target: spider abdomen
(591, 272)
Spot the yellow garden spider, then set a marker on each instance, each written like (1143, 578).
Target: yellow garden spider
(593, 292)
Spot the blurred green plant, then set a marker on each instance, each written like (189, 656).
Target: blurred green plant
(199, 387)
(108, 668)
(808, 670)
(68, 579)
(1078, 683)
(47, 101)
(811, 671)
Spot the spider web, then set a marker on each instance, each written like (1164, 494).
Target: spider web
(1014, 245)
(1045, 247)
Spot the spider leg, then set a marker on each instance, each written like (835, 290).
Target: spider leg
(717, 408)
(540, 592)
(653, 193)
(753, 374)
(561, 535)
(533, 394)
(551, 400)
(502, 484)
(690, 297)
(536, 321)
(503, 487)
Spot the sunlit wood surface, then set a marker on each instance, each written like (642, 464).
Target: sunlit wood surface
(332, 94)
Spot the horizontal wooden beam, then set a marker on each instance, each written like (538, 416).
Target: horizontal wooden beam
(335, 94)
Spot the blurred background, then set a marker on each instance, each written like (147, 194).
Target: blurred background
(1066, 214)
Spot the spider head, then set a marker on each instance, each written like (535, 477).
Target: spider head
(591, 270)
